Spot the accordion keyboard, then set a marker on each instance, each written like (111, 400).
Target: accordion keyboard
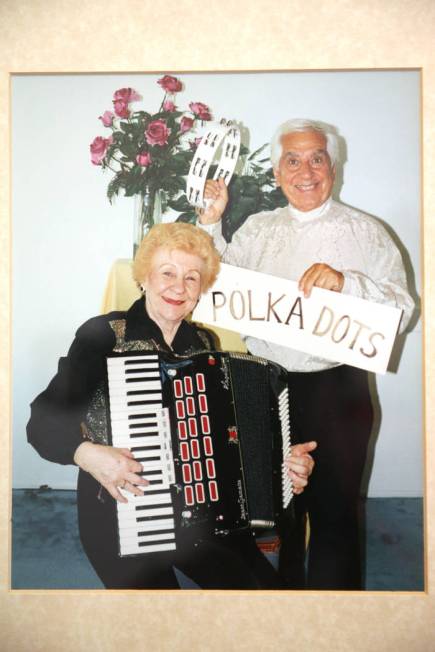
(139, 422)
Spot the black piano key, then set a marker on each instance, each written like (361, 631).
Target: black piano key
(159, 506)
(144, 544)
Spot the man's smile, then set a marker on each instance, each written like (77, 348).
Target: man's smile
(306, 187)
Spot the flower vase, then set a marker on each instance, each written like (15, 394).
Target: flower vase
(147, 212)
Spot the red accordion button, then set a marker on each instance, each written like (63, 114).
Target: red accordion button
(187, 473)
(184, 451)
(197, 471)
(194, 448)
(200, 382)
(190, 405)
(178, 388)
(188, 495)
(179, 408)
(211, 470)
(208, 445)
(200, 495)
(205, 424)
(192, 428)
(203, 407)
(188, 385)
(213, 491)
(182, 430)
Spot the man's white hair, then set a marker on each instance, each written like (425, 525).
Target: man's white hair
(300, 125)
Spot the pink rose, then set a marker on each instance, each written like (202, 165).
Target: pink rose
(157, 133)
(126, 95)
(107, 118)
(169, 106)
(98, 149)
(170, 84)
(143, 159)
(186, 124)
(121, 108)
(200, 110)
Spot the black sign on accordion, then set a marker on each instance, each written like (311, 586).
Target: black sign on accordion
(211, 431)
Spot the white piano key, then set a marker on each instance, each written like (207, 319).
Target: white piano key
(121, 398)
(121, 384)
(127, 441)
(120, 359)
(125, 433)
(147, 453)
(130, 520)
(149, 526)
(116, 413)
(132, 497)
(141, 507)
(129, 372)
(142, 425)
(145, 513)
(162, 536)
(147, 460)
(144, 501)
(141, 366)
(137, 549)
(148, 409)
(152, 466)
(161, 485)
(147, 419)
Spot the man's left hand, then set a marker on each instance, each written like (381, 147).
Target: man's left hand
(323, 276)
(300, 465)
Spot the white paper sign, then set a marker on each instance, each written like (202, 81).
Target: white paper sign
(328, 324)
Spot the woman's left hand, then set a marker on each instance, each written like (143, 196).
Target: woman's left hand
(300, 465)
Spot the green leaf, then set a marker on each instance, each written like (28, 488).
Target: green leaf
(257, 151)
(115, 185)
(172, 185)
(236, 215)
(180, 204)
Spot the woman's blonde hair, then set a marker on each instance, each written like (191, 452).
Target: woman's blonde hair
(182, 236)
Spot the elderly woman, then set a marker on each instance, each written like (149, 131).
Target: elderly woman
(174, 264)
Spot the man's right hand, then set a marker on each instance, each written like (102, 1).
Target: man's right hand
(218, 193)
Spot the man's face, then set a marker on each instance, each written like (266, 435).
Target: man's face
(305, 172)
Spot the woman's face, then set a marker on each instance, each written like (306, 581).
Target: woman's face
(173, 285)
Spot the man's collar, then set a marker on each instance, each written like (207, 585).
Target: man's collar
(305, 216)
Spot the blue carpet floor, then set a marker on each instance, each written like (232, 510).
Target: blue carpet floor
(47, 554)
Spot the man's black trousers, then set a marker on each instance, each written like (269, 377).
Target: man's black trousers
(334, 408)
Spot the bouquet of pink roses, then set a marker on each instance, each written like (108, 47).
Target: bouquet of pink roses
(149, 152)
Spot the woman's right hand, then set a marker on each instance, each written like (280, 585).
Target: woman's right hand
(218, 193)
(113, 468)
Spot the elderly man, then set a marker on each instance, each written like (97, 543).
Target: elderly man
(318, 242)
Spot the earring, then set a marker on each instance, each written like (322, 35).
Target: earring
(142, 288)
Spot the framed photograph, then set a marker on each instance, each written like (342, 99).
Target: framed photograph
(64, 238)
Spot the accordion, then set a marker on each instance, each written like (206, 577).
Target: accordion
(211, 431)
